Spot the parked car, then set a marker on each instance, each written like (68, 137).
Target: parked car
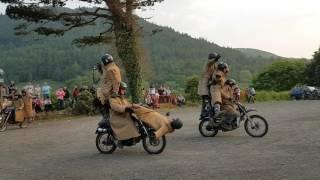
(305, 92)
(297, 93)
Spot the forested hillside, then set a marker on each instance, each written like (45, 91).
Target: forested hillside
(255, 53)
(173, 56)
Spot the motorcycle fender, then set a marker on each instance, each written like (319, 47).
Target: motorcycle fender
(251, 110)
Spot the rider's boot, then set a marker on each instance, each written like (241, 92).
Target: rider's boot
(217, 112)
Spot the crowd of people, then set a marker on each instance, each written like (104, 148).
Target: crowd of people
(153, 97)
(33, 98)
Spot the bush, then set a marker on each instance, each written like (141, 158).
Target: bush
(281, 76)
(272, 96)
(84, 105)
(192, 90)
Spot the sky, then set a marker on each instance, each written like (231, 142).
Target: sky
(288, 28)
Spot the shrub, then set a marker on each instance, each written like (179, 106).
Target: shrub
(272, 96)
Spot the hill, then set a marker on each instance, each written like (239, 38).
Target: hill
(173, 56)
(255, 53)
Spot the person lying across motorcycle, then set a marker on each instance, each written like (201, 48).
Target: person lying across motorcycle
(205, 78)
(120, 121)
(219, 79)
(162, 124)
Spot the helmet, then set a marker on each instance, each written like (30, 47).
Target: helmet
(231, 82)
(123, 85)
(222, 66)
(176, 123)
(107, 58)
(214, 56)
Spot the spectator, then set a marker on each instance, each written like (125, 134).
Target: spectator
(167, 93)
(60, 97)
(29, 88)
(161, 90)
(37, 91)
(12, 87)
(152, 90)
(251, 94)
(181, 100)
(37, 104)
(66, 96)
(47, 104)
(46, 90)
(75, 94)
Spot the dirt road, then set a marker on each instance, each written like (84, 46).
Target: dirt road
(65, 149)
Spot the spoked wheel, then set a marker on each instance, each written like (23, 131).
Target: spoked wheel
(3, 123)
(257, 126)
(154, 146)
(207, 130)
(105, 143)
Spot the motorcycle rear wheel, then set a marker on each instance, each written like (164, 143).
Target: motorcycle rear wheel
(105, 143)
(207, 131)
(258, 122)
(154, 146)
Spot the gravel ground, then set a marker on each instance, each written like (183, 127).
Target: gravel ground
(65, 149)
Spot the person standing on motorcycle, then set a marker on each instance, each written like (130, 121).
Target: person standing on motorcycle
(205, 78)
(109, 82)
(121, 122)
(219, 79)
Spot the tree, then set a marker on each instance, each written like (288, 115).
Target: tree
(45, 18)
(313, 69)
(192, 89)
(281, 75)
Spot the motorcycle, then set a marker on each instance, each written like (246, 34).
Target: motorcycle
(106, 141)
(255, 125)
(8, 116)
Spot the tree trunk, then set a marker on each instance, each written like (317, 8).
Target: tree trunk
(128, 52)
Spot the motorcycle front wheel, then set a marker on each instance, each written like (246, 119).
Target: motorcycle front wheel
(257, 126)
(3, 123)
(154, 146)
(206, 130)
(105, 143)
